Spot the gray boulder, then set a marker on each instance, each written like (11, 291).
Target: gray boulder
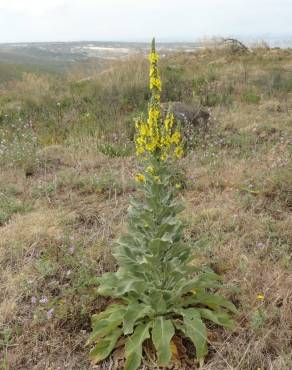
(194, 121)
(187, 114)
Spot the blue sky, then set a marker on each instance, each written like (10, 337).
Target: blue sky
(139, 20)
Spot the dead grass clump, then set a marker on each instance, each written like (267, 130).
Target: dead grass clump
(31, 85)
(21, 241)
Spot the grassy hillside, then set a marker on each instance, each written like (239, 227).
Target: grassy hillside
(67, 163)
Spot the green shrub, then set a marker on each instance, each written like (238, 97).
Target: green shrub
(9, 206)
(210, 92)
(18, 145)
(250, 97)
(176, 87)
(115, 149)
(275, 82)
(278, 185)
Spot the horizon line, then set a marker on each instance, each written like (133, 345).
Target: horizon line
(255, 37)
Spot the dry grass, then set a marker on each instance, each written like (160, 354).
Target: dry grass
(238, 211)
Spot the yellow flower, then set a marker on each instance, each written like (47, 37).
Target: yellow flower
(260, 297)
(153, 57)
(168, 122)
(155, 82)
(140, 178)
(175, 138)
(150, 147)
(139, 150)
(140, 140)
(144, 130)
(178, 152)
(150, 169)
(177, 186)
(156, 97)
(163, 157)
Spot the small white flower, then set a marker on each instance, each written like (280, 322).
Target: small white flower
(44, 300)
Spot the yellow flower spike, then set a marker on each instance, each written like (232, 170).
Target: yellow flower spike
(155, 136)
(139, 177)
(260, 297)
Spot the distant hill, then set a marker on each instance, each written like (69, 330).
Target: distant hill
(57, 54)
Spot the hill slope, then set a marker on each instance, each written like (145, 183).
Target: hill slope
(66, 175)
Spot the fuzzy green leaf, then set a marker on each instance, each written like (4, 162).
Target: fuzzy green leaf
(157, 246)
(108, 324)
(220, 318)
(194, 328)
(133, 347)
(105, 314)
(134, 312)
(162, 333)
(104, 346)
(206, 280)
(214, 301)
(108, 282)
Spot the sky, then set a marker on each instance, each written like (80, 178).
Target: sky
(140, 20)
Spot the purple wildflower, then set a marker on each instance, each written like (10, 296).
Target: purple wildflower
(44, 299)
(50, 313)
(260, 245)
(72, 249)
(33, 300)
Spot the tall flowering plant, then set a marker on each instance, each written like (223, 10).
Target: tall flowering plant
(157, 290)
(157, 138)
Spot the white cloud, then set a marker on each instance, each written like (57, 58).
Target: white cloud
(36, 20)
(30, 7)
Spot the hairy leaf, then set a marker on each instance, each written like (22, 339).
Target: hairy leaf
(194, 328)
(104, 346)
(133, 347)
(220, 318)
(108, 324)
(134, 312)
(214, 301)
(105, 314)
(162, 333)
